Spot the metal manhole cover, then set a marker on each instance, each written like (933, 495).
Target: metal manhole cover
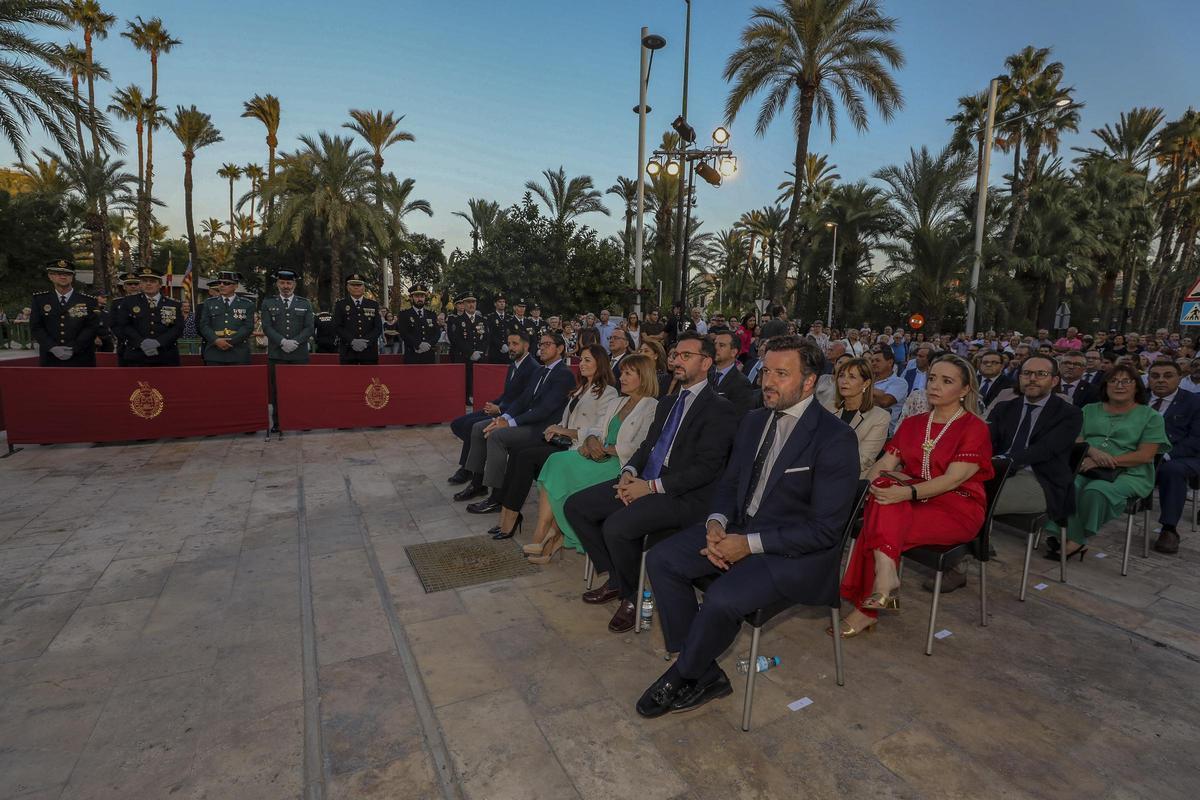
(455, 563)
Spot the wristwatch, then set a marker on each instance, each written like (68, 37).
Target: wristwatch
(913, 488)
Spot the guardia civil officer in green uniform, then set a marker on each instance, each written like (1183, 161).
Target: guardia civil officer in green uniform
(288, 323)
(359, 324)
(63, 321)
(150, 324)
(419, 329)
(226, 324)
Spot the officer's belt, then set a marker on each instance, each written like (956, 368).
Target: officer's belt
(226, 332)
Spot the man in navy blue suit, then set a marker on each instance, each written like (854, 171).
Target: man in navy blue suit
(1181, 416)
(541, 404)
(773, 532)
(520, 372)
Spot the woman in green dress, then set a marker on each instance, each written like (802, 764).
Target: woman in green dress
(594, 461)
(1123, 434)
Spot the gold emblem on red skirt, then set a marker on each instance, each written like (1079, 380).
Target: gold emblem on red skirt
(146, 401)
(377, 394)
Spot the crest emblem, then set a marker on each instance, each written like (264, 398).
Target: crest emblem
(46, 308)
(137, 309)
(146, 401)
(377, 394)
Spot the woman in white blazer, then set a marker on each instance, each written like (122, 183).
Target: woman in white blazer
(854, 405)
(589, 407)
(599, 459)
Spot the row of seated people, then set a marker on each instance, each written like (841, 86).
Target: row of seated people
(758, 499)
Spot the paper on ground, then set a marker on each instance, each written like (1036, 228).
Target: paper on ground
(803, 702)
(1040, 586)
(942, 634)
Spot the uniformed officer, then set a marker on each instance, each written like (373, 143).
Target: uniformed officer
(469, 340)
(150, 324)
(131, 286)
(226, 323)
(518, 320)
(535, 326)
(419, 329)
(288, 323)
(359, 324)
(63, 321)
(326, 335)
(104, 324)
(499, 325)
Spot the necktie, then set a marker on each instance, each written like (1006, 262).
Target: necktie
(760, 460)
(1067, 389)
(1157, 404)
(658, 455)
(987, 384)
(512, 369)
(1020, 441)
(545, 374)
(228, 302)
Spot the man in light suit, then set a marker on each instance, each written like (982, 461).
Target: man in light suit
(1181, 416)
(772, 533)
(541, 404)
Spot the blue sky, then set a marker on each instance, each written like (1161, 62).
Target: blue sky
(495, 92)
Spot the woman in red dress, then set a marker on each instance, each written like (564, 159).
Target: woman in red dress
(927, 488)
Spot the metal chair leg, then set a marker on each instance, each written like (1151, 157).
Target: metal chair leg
(983, 593)
(1037, 540)
(1128, 543)
(835, 618)
(937, 591)
(1062, 555)
(589, 571)
(748, 704)
(1146, 533)
(637, 601)
(1030, 544)
(849, 555)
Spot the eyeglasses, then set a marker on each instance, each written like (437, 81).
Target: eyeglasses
(687, 355)
(1036, 373)
(224, 283)
(1120, 382)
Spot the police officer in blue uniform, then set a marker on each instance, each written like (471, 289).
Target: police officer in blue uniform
(63, 321)
(359, 324)
(131, 286)
(150, 324)
(419, 329)
(499, 324)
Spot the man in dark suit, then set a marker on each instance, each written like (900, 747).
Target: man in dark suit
(992, 379)
(63, 321)
(1181, 416)
(359, 324)
(419, 329)
(1073, 385)
(665, 486)
(520, 372)
(727, 380)
(150, 325)
(619, 348)
(773, 531)
(541, 404)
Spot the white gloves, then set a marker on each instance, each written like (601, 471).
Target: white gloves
(288, 345)
(358, 345)
(149, 347)
(423, 347)
(503, 348)
(476, 355)
(61, 352)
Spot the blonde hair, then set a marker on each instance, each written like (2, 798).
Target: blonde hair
(864, 372)
(643, 367)
(971, 401)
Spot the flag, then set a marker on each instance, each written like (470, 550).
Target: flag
(187, 280)
(170, 273)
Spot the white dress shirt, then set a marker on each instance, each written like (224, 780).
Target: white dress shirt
(512, 423)
(688, 398)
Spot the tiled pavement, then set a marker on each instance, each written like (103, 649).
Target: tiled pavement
(154, 643)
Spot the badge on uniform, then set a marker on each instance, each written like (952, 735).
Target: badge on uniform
(168, 314)
(137, 309)
(370, 312)
(46, 308)
(78, 311)
(239, 313)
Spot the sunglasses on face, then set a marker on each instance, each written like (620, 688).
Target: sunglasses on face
(225, 283)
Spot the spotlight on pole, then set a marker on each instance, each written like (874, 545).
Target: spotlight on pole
(1062, 102)
(720, 135)
(685, 131)
(673, 168)
(704, 170)
(728, 166)
(652, 41)
(654, 167)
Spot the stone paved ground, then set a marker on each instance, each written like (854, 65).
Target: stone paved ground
(169, 628)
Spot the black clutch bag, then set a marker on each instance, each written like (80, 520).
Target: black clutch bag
(1102, 474)
(561, 441)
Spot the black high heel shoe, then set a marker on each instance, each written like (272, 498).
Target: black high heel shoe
(499, 535)
(1056, 555)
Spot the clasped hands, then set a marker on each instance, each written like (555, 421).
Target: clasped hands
(358, 345)
(888, 495)
(223, 344)
(288, 345)
(1098, 458)
(630, 488)
(497, 423)
(593, 449)
(722, 548)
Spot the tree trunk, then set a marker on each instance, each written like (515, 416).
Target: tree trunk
(1107, 286)
(335, 267)
(100, 256)
(78, 121)
(144, 243)
(807, 96)
(193, 251)
(232, 226)
(1022, 199)
(270, 174)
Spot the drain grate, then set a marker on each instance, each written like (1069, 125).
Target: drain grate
(456, 563)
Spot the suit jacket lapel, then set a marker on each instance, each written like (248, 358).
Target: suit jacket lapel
(796, 444)
(704, 396)
(744, 475)
(1045, 419)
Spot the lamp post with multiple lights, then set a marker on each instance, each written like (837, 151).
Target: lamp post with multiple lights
(832, 274)
(649, 43)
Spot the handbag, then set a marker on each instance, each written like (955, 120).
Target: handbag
(1102, 474)
(561, 441)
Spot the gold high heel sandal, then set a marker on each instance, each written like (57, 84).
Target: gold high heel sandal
(849, 631)
(882, 602)
(555, 544)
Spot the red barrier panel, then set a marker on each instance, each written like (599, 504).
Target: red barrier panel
(349, 396)
(111, 404)
(110, 359)
(489, 383)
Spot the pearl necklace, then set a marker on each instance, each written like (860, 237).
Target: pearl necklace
(929, 444)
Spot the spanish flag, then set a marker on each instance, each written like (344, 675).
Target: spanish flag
(170, 272)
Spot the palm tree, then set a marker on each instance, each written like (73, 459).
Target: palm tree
(567, 199)
(150, 37)
(817, 48)
(1131, 141)
(765, 227)
(45, 175)
(816, 181)
(230, 172)
(94, 22)
(481, 215)
(194, 130)
(398, 204)
(265, 109)
(256, 174)
(378, 130)
(131, 105)
(626, 189)
(90, 177)
(74, 64)
(212, 228)
(969, 127)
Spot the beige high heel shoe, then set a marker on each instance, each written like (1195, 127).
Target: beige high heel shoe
(552, 545)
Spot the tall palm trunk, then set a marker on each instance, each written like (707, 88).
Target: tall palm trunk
(193, 251)
(99, 206)
(1021, 202)
(807, 97)
(144, 243)
(335, 266)
(271, 144)
(75, 113)
(232, 224)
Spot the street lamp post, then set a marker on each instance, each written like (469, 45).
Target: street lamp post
(649, 43)
(682, 234)
(832, 273)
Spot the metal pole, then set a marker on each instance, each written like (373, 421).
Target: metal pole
(687, 221)
(641, 173)
(681, 238)
(387, 273)
(832, 277)
(981, 187)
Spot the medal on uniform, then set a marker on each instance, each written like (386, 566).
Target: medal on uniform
(168, 314)
(137, 309)
(46, 308)
(239, 313)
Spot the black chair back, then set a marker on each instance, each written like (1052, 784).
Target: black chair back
(992, 489)
(1078, 453)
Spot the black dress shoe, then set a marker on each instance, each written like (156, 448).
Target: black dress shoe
(693, 695)
(459, 477)
(601, 594)
(625, 618)
(471, 492)
(1167, 542)
(484, 506)
(657, 700)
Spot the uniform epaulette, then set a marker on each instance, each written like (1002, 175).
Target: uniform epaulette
(43, 294)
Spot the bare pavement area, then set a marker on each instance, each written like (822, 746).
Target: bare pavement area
(235, 618)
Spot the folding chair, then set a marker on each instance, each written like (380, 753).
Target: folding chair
(1143, 506)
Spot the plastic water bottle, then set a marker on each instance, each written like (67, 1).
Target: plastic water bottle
(647, 610)
(763, 664)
